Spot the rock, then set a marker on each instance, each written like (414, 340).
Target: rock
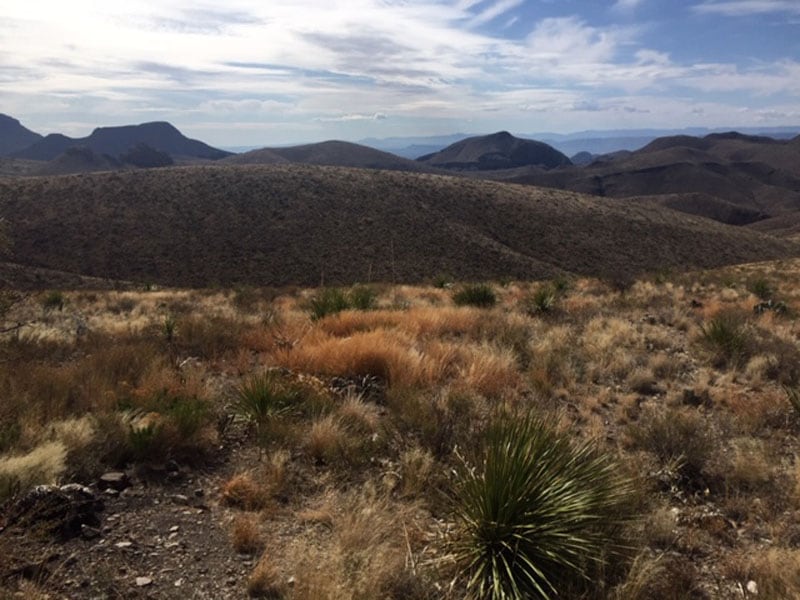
(89, 533)
(143, 581)
(752, 587)
(58, 510)
(115, 480)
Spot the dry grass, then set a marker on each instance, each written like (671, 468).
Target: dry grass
(338, 481)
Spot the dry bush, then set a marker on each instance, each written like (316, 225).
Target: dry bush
(748, 465)
(208, 337)
(754, 413)
(265, 582)
(776, 572)
(388, 355)
(416, 468)
(661, 577)
(643, 381)
(660, 528)
(242, 491)
(490, 371)
(680, 436)
(327, 440)
(609, 343)
(365, 555)
(246, 535)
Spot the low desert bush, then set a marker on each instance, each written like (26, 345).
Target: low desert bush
(264, 581)
(480, 295)
(330, 301)
(538, 514)
(54, 300)
(244, 492)
(246, 534)
(542, 301)
(680, 436)
(761, 288)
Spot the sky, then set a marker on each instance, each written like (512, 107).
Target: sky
(270, 72)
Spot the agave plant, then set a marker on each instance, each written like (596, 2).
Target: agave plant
(537, 513)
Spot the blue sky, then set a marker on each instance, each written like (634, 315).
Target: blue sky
(262, 72)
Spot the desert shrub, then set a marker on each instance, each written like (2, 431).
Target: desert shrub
(538, 514)
(726, 335)
(264, 396)
(542, 301)
(53, 301)
(327, 302)
(362, 297)
(677, 437)
(480, 295)
(760, 288)
(206, 337)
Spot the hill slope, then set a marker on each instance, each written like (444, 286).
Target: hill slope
(331, 153)
(197, 226)
(115, 141)
(496, 151)
(14, 136)
(758, 175)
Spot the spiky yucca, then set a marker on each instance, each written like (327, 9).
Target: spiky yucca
(264, 396)
(538, 514)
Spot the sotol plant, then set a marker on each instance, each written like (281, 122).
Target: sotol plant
(538, 514)
(263, 397)
(480, 295)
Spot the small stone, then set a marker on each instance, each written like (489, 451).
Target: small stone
(180, 499)
(143, 581)
(178, 582)
(124, 544)
(117, 480)
(752, 587)
(88, 532)
(174, 528)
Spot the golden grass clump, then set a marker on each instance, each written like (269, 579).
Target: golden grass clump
(246, 535)
(490, 371)
(42, 465)
(366, 554)
(265, 582)
(242, 491)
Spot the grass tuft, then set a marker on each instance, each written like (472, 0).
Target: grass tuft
(480, 295)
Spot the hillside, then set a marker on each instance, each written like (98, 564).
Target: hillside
(759, 175)
(281, 225)
(14, 136)
(496, 151)
(331, 153)
(116, 141)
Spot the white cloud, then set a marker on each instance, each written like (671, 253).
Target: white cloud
(494, 10)
(742, 8)
(627, 5)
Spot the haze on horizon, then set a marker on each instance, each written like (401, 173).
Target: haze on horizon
(246, 72)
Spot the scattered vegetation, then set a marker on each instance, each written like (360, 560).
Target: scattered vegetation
(401, 443)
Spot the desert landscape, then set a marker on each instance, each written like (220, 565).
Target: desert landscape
(400, 300)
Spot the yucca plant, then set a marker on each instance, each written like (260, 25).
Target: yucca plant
(727, 336)
(362, 297)
(538, 514)
(262, 397)
(543, 300)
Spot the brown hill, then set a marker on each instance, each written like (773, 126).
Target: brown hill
(496, 151)
(331, 153)
(759, 175)
(197, 226)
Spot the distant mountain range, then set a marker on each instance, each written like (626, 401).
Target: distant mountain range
(592, 141)
(14, 136)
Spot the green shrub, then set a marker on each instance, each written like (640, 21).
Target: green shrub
(538, 514)
(362, 297)
(727, 336)
(327, 302)
(264, 396)
(542, 301)
(480, 295)
(53, 301)
(761, 288)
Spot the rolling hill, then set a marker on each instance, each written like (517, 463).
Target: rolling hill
(116, 141)
(14, 136)
(496, 151)
(331, 153)
(290, 224)
(759, 175)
